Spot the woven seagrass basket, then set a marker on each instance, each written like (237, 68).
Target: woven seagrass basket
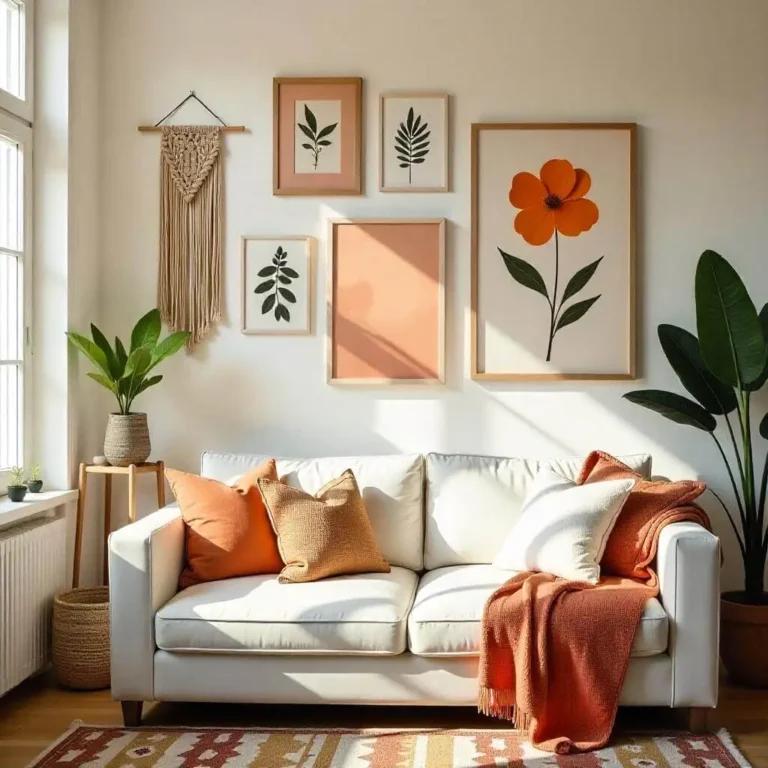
(81, 638)
(126, 440)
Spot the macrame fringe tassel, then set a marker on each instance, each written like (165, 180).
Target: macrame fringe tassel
(189, 280)
(501, 703)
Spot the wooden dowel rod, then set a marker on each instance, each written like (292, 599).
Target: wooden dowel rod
(223, 128)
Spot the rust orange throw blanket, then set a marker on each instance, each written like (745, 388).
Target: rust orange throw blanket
(554, 653)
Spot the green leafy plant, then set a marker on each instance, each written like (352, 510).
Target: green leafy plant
(412, 142)
(17, 476)
(126, 373)
(34, 473)
(722, 369)
(278, 277)
(318, 138)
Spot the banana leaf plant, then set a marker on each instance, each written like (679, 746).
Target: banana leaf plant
(722, 369)
(126, 373)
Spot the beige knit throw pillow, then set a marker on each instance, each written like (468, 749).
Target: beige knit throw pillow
(324, 535)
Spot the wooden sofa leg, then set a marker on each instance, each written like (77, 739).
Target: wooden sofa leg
(698, 719)
(132, 713)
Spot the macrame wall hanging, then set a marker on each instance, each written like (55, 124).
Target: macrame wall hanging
(191, 215)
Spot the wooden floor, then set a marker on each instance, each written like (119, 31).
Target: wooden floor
(37, 712)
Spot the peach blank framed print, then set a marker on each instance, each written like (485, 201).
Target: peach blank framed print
(553, 241)
(317, 136)
(386, 301)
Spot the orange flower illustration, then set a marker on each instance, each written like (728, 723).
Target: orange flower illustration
(553, 204)
(553, 201)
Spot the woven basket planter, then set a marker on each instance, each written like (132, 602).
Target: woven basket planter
(127, 439)
(81, 638)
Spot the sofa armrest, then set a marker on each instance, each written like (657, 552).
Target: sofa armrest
(145, 561)
(688, 562)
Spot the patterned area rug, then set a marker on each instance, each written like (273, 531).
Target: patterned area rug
(102, 747)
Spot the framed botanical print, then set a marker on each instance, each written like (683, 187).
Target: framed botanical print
(317, 136)
(276, 285)
(413, 148)
(386, 301)
(553, 244)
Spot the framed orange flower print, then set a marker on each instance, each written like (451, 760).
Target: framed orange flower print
(553, 251)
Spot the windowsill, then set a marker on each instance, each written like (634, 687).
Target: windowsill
(34, 504)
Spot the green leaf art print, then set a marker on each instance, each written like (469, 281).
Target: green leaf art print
(318, 138)
(412, 142)
(277, 277)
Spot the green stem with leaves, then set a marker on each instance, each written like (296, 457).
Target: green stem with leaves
(553, 300)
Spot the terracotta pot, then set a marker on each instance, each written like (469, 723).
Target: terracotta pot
(743, 640)
(127, 439)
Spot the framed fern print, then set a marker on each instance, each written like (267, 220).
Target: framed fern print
(553, 251)
(317, 136)
(276, 285)
(413, 149)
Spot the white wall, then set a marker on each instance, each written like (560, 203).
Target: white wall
(66, 269)
(691, 73)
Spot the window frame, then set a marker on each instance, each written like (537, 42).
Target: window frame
(23, 108)
(18, 131)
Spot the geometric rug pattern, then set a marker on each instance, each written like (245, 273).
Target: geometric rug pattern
(112, 747)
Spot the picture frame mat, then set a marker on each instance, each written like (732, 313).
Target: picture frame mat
(357, 188)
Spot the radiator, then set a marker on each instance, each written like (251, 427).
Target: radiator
(33, 562)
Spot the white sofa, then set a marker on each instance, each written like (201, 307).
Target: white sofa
(407, 637)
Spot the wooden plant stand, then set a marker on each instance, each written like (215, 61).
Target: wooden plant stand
(158, 467)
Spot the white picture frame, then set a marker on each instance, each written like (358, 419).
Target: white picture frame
(279, 266)
(412, 157)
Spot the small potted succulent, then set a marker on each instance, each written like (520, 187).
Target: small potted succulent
(17, 490)
(34, 483)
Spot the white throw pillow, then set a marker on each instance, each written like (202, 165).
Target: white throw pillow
(564, 527)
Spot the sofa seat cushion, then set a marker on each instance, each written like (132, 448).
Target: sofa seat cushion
(364, 614)
(448, 610)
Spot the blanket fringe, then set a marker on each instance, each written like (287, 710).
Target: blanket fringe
(500, 703)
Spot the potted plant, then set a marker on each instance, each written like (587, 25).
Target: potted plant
(125, 373)
(722, 369)
(17, 490)
(34, 483)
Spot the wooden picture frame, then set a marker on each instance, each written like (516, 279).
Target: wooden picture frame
(331, 136)
(259, 253)
(434, 108)
(369, 334)
(616, 140)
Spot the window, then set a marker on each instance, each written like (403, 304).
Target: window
(15, 209)
(16, 57)
(12, 37)
(12, 298)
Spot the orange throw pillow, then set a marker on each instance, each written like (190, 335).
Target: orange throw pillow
(228, 529)
(629, 548)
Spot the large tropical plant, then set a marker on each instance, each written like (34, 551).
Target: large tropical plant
(722, 369)
(125, 373)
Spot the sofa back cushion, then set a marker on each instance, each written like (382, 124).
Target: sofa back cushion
(473, 502)
(392, 488)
